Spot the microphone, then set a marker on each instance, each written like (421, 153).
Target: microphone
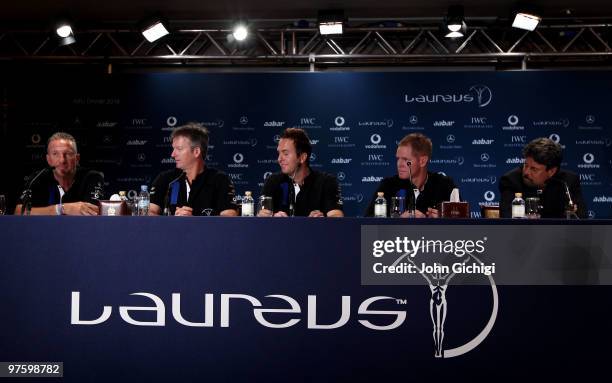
(167, 197)
(570, 209)
(26, 197)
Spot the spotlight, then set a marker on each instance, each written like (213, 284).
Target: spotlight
(154, 29)
(64, 33)
(526, 21)
(455, 22)
(331, 22)
(240, 32)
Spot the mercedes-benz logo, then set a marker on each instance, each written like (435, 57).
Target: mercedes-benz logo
(276, 139)
(414, 120)
(590, 119)
(244, 120)
(450, 138)
(141, 157)
(484, 157)
(341, 176)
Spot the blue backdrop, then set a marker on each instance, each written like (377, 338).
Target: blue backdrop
(478, 122)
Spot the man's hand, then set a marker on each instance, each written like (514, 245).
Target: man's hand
(183, 211)
(433, 213)
(316, 213)
(80, 208)
(264, 213)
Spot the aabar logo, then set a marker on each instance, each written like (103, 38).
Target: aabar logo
(106, 124)
(483, 141)
(341, 160)
(443, 123)
(602, 199)
(275, 124)
(136, 142)
(155, 304)
(371, 179)
(515, 160)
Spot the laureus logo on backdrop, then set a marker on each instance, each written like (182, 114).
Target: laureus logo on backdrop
(479, 94)
(397, 258)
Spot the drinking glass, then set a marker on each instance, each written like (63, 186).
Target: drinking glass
(265, 208)
(532, 207)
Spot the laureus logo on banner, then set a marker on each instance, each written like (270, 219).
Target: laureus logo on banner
(479, 94)
(437, 261)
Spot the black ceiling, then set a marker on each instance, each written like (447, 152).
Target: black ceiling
(38, 11)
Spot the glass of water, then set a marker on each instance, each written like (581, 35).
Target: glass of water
(265, 209)
(398, 205)
(532, 208)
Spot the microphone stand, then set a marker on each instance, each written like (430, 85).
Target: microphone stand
(26, 197)
(412, 207)
(570, 208)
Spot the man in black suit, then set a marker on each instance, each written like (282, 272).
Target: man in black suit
(541, 176)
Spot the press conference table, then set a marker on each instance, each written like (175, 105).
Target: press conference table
(268, 299)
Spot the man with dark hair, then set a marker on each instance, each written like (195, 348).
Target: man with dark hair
(192, 188)
(541, 176)
(298, 189)
(64, 187)
(414, 181)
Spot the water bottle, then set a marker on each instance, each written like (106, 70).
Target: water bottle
(380, 206)
(248, 205)
(518, 206)
(143, 200)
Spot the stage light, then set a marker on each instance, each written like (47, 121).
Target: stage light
(526, 21)
(240, 32)
(331, 22)
(455, 22)
(64, 33)
(154, 30)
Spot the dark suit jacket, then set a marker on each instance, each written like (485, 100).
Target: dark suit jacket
(553, 195)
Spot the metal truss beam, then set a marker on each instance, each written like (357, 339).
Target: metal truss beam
(286, 46)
